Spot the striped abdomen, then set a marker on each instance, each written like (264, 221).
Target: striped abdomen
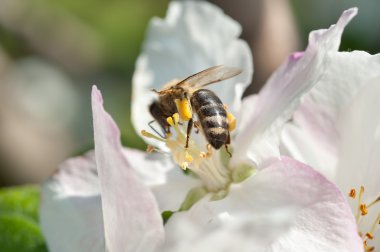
(212, 116)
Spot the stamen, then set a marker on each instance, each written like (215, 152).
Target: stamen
(150, 149)
(359, 203)
(150, 135)
(361, 211)
(374, 202)
(352, 193)
(377, 222)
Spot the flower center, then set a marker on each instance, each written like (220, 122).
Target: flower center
(361, 212)
(205, 163)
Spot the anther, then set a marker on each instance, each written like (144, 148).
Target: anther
(352, 193)
(363, 209)
(369, 236)
(170, 121)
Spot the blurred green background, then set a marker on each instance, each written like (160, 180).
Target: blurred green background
(52, 51)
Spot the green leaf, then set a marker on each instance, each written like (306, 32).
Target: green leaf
(19, 227)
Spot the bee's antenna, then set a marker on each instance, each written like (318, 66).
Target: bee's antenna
(158, 133)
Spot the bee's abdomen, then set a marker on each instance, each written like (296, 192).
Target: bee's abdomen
(212, 116)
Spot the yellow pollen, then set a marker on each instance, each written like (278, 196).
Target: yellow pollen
(363, 209)
(184, 109)
(170, 121)
(352, 193)
(231, 121)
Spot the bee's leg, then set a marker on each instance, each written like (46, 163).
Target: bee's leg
(228, 141)
(154, 129)
(189, 127)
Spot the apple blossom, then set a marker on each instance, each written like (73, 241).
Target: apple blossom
(336, 130)
(255, 201)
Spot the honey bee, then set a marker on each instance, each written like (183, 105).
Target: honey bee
(189, 95)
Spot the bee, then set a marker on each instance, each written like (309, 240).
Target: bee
(189, 96)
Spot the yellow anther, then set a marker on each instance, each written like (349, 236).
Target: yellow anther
(184, 109)
(170, 121)
(363, 209)
(231, 121)
(176, 118)
(352, 193)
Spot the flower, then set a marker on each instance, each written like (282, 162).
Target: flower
(285, 206)
(255, 142)
(336, 131)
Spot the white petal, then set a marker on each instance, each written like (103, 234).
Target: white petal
(132, 221)
(151, 168)
(285, 207)
(171, 194)
(192, 37)
(283, 91)
(359, 150)
(70, 212)
(314, 135)
(167, 181)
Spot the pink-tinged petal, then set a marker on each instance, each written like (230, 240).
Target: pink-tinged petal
(195, 35)
(287, 206)
(132, 221)
(314, 135)
(282, 93)
(167, 181)
(71, 212)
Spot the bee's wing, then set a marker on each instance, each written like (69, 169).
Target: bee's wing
(209, 76)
